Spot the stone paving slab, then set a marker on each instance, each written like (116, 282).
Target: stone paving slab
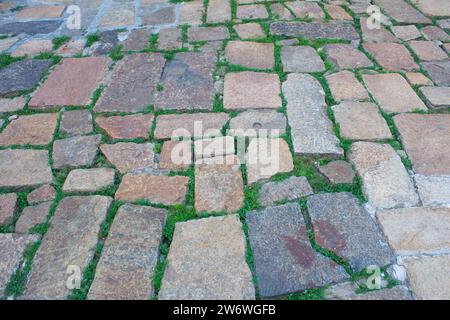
(217, 247)
(30, 27)
(43, 193)
(76, 122)
(437, 97)
(8, 207)
(284, 260)
(89, 180)
(331, 30)
(345, 56)
(130, 254)
(344, 86)
(251, 54)
(392, 56)
(75, 151)
(252, 123)
(347, 291)
(301, 59)
(402, 12)
(433, 190)
(71, 240)
(126, 127)
(290, 189)
(439, 72)
(32, 216)
(338, 171)
(176, 155)
(129, 156)
(341, 225)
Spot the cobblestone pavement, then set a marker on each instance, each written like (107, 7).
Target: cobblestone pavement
(348, 120)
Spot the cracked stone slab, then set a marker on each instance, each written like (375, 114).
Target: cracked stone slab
(75, 151)
(132, 248)
(215, 245)
(187, 82)
(331, 30)
(386, 183)
(284, 260)
(71, 240)
(342, 225)
(417, 230)
(290, 189)
(133, 84)
(311, 129)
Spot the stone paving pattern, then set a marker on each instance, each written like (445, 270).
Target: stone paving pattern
(351, 125)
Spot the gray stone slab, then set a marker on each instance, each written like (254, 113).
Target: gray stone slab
(341, 225)
(311, 129)
(301, 59)
(75, 151)
(30, 27)
(284, 260)
(290, 189)
(439, 71)
(331, 30)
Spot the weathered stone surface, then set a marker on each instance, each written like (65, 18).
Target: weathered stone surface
(12, 247)
(361, 121)
(345, 56)
(281, 12)
(437, 97)
(439, 72)
(191, 13)
(33, 47)
(219, 185)
(72, 83)
(190, 125)
(393, 92)
(434, 190)
(371, 34)
(428, 276)
(392, 56)
(253, 11)
(331, 30)
(160, 16)
(40, 12)
(20, 168)
(21, 76)
(386, 182)
(7, 43)
(138, 39)
(156, 189)
(402, 12)
(32, 216)
(208, 33)
(345, 86)
(301, 59)
(216, 246)
(11, 105)
(434, 8)
(348, 291)
(251, 123)
(218, 11)
(170, 39)
(311, 129)
(303, 9)
(129, 156)
(444, 23)
(126, 127)
(428, 50)
(108, 40)
(418, 78)
(70, 241)
(175, 155)
(118, 15)
(75, 151)
(284, 260)
(251, 90)
(290, 189)
(338, 172)
(71, 48)
(133, 84)
(187, 82)
(416, 230)
(36, 129)
(8, 207)
(249, 30)
(76, 122)
(213, 147)
(251, 54)
(337, 12)
(44, 193)
(266, 158)
(435, 33)
(426, 139)
(30, 27)
(132, 248)
(406, 33)
(341, 225)
(89, 180)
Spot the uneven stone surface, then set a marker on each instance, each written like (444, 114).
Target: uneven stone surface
(19, 168)
(386, 182)
(32, 216)
(70, 241)
(251, 90)
(76, 122)
(345, 86)
(392, 56)
(290, 189)
(8, 207)
(133, 84)
(284, 260)
(40, 12)
(418, 78)
(249, 30)
(251, 54)
(175, 155)
(216, 246)
(12, 247)
(208, 33)
(170, 39)
(303, 9)
(89, 180)
(21, 76)
(301, 59)
(433, 7)
(219, 171)
(434, 33)
(348, 291)
(126, 127)
(30, 27)
(11, 105)
(426, 139)
(406, 33)
(75, 151)
(218, 11)
(345, 56)
(137, 39)
(132, 248)
(156, 189)
(439, 72)
(213, 147)
(129, 156)
(437, 97)
(269, 123)
(393, 93)
(36, 129)
(402, 11)
(361, 121)
(253, 11)
(311, 129)
(187, 82)
(44, 193)
(32, 48)
(433, 190)
(416, 230)
(341, 225)
(429, 276)
(330, 30)
(376, 34)
(428, 50)
(338, 172)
